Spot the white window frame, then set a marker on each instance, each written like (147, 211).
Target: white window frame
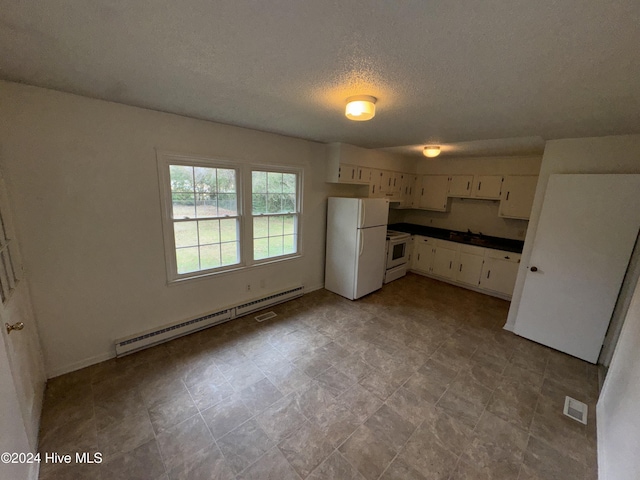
(245, 217)
(298, 214)
(165, 160)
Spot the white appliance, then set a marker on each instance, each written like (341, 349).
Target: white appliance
(356, 244)
(397, 255)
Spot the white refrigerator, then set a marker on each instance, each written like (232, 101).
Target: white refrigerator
(356, 244)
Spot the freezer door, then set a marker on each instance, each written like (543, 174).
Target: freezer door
(373, 212)
(371, 258)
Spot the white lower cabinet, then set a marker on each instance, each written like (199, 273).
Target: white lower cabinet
(444, 259)
(423, 250)
(481, 269)
(470, 260)
(499, 271)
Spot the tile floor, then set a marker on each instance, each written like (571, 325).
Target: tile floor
(416, 381)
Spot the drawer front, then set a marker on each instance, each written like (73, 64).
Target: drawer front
(503, 255)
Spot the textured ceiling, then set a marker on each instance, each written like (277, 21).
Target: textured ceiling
(444, 72)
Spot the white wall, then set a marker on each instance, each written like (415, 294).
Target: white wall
(615, 154)
(475, 215)
(617, 410)
(83, 179)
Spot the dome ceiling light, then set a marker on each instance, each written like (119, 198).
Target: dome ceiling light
(431, 151)
(360, 108)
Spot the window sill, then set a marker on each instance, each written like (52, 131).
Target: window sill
(240, 268)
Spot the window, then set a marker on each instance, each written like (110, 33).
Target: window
(274, 204)
(203, 217)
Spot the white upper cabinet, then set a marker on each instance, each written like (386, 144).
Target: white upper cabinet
(460, 185)
(433, 193)
(364, 175)
(488, 186)
(343, 162)
(408, 187)
(375, 184)
(517, 196)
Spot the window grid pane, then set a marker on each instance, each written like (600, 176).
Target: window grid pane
(274, 206)
(205, 213)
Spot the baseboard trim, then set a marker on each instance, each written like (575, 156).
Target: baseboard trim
(72, 367)
(87, 362)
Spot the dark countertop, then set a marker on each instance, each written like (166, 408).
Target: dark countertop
(467, 238)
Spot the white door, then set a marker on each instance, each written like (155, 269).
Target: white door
(13, 434)
(587, 229)
(371, 260)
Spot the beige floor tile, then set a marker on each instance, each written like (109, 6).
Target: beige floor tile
(183, 440)
(330, 373)
(367, 452)
(305, 449)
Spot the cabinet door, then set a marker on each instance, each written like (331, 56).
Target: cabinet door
(444, 259)
(499, 275)
(488, 186)
(364, 175)
(423, 254)
(433, 193)
(469, 268)
(517, 196)
(375, 184)
(385, 182)
(460, 185)
(347, 173)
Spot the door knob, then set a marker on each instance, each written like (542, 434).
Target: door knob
(15, 326)
(534, 269)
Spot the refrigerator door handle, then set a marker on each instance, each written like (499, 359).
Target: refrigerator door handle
(361, 244)
(363, 211)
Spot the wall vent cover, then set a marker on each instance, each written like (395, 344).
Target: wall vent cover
(266, 316)
(575, 409)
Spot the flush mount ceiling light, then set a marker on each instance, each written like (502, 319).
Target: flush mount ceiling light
(431, 151)
(361, 108)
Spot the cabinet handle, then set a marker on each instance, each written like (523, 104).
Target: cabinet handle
(418, 257)
(479, 186)
(460, 267)
(339, 172)
(508, 195)
(450, 264)
(507, 257)
(468, 185)
(488, 273)
(359, 174)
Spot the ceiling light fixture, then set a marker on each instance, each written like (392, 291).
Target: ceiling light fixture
(361, 108)
(431, 151)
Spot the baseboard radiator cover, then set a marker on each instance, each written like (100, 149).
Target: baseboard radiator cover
(150, 338)
(268, 301)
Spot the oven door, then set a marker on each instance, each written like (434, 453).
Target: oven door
(397, 253)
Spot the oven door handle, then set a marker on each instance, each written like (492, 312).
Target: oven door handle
(363, 213)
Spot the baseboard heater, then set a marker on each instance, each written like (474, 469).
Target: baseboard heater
(149, 338)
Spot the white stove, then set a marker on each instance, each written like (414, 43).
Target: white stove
(397, 255)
